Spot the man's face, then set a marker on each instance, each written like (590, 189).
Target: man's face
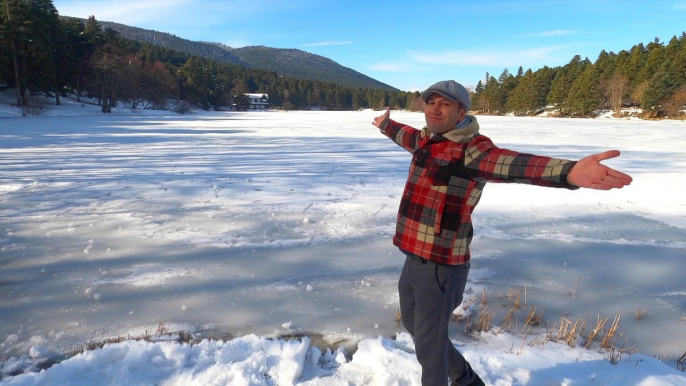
(442, 114)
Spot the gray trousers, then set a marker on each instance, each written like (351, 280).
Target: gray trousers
(429, 293)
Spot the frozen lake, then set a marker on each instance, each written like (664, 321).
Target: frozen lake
(230, 223)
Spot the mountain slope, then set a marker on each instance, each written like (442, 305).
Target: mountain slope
(163, 39)
(286, 62)
(304, 65)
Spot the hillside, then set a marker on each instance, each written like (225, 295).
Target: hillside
(166, 40)
(286, 62)
(304, 65)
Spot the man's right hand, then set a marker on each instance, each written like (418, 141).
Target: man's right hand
(380, 119)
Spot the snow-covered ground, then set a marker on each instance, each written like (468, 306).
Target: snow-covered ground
(278, 224)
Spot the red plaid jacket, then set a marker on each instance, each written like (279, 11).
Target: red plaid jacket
(446, 178)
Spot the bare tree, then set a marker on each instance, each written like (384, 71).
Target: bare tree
(161, 84)
(676, 103)
(615, 92)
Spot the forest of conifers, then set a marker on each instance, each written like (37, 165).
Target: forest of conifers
(41, 53)
(651, 77)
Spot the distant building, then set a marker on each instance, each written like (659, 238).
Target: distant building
(258, 101)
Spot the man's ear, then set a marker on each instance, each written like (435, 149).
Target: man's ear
(463, 113)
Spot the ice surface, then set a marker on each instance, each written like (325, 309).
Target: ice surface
(208, 212)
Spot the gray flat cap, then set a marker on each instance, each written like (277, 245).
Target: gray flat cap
(451, 90)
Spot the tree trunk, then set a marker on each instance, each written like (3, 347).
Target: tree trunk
(20, 101)
(103, 94)
(25, 99)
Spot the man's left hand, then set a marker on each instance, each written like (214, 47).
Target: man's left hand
(379, 120)
(590, 173)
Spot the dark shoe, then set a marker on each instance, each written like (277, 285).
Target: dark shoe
(476, 382)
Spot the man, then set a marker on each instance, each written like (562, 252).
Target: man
(451, 163)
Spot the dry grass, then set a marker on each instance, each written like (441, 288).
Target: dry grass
(532, 319)
(568, 332)
(615, 357)
(640, 314)
(515, 296)
(603, 333)
(398, 318)
(483, 323)
(572, 292)
(183, 337)
(600, 323)
(507, 322)
(607, 339)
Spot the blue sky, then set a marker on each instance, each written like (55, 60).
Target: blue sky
(409, 44)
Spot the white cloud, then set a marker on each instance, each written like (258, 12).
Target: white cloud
(327, 43)
(487, 58)
(557, 32)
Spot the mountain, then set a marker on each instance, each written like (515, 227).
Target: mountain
(304, 65)
(166, 40)
(286, 62)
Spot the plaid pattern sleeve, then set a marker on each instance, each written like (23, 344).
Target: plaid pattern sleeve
(405, 136)
(486, 162)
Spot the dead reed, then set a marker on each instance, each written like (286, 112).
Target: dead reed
(483, 323)
(572, 292)
(484, 298)
(532, 319)
(615, 357)
(180, 336)
(607, 339)
(640, 314)
(515, 296)
(568, 332)
(507, 322)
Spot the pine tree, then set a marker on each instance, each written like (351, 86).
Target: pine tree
(562, 83)
(655, 57)
(478, 97)
(493, 96)
(528, 97)
(507, 84)
(584, 97)
(660, 87)
(637, 58)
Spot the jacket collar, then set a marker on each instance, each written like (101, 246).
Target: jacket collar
(457, 135)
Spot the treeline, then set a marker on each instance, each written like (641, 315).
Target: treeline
(652, 77)
(40, 53)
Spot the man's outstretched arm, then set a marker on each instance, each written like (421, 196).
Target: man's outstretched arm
(588, 172)
(484, 161)
(378, 121)
(406, 136)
